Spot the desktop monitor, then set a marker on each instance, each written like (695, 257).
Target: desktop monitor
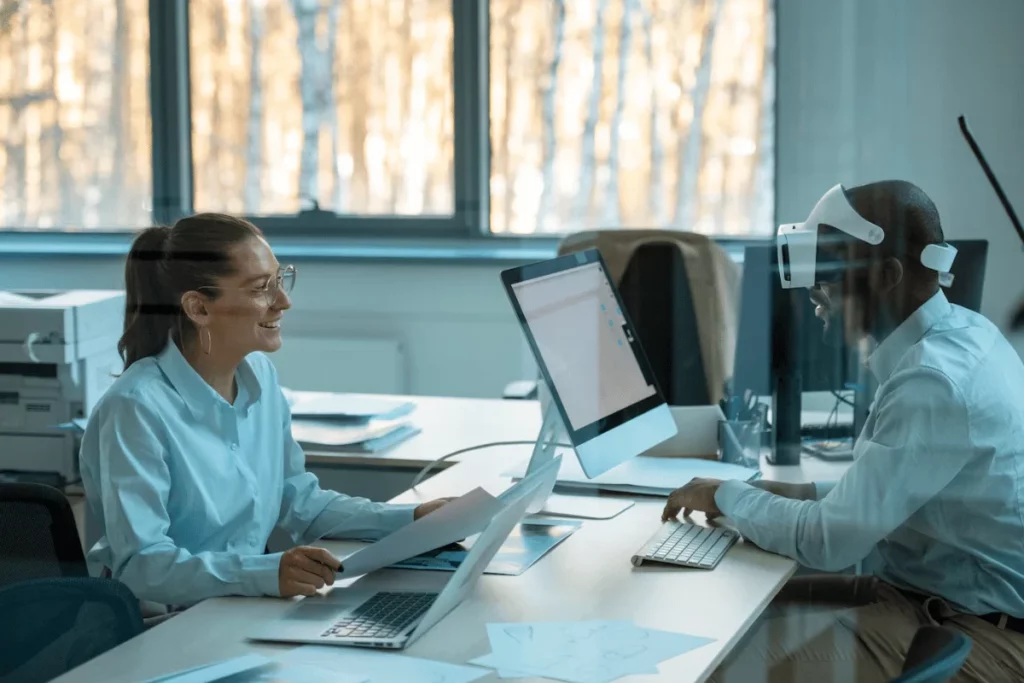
(599, 378)
(780, 349)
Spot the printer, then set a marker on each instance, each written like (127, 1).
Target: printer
(58, 355)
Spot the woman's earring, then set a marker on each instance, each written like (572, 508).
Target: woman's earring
(208, 346)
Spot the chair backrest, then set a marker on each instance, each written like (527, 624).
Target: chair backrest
(681, 291)
(38, 535)
(50, 626)
(935, 655)
(656, 293)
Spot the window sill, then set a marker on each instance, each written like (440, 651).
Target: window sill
(504, 250)
(432, 250)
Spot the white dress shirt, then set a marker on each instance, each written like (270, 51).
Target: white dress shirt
(187, 487)
(935, 496)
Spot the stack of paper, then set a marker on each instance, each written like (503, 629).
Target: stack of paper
(647, 476)
(324, 406)
(582, 651)
(372, 436)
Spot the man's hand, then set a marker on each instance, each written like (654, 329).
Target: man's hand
(698, 495)
(432, 506)
(304, 570)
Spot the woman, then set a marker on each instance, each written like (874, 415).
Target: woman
(188, 461)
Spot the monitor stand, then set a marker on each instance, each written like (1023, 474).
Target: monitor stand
(552, 435)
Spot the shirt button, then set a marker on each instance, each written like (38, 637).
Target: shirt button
(234, 446)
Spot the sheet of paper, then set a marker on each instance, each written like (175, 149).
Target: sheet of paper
(459, 519)
(215, 671)
(582, 652)
(293, 672)
(382, 667)
(543, 478)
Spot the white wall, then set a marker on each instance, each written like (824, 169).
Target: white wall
(458, 331)
(868, 89)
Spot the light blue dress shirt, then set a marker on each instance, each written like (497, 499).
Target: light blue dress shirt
(187, 487)
(933, 501)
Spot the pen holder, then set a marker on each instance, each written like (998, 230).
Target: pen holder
(739, 441)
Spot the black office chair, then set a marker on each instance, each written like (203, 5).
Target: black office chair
(656, 293)
(936, 655)
(50, 626)
(38, 535)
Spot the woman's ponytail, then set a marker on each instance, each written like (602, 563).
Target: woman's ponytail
(151, 312)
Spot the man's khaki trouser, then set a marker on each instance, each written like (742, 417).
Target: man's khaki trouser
(857, 630)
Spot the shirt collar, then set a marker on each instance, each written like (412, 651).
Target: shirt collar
(193, 389)
(887, 356)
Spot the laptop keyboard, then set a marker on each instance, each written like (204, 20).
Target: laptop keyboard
(383, 616)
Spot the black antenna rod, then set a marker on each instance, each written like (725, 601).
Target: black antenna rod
(991, 177)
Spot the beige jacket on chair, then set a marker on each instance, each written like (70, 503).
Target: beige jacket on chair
(714, 282)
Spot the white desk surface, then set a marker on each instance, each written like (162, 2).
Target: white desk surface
(448, 425)
(589, 576)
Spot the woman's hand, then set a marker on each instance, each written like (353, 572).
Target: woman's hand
(304, 570)
(432, 506)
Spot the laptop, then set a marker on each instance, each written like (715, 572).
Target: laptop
(372, 614)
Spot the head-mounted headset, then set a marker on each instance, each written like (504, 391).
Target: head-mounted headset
(797, 243)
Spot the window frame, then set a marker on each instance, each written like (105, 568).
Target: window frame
(172, 140)
(469, 224)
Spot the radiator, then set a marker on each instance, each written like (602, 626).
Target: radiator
(342, 364)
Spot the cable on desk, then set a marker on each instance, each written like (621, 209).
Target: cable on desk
(430, 465)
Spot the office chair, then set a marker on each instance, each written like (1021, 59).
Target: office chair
(935, 655)
(50, 626)
(656, 292)
(38, 535)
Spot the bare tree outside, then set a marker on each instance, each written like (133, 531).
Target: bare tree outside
(357, 106)
(645, 114)
(75, 138)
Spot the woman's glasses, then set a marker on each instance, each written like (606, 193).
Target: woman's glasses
(268, 292)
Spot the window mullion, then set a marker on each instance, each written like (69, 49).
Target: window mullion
(170, 110)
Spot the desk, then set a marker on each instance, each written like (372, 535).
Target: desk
(589, 576)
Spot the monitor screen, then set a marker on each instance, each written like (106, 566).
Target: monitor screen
(587, 344)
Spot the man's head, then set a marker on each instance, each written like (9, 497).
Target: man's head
(876, 287)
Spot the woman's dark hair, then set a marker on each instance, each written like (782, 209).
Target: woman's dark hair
(165, 263)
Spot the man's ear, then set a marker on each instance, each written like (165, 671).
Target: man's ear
(892, 274)
(194, 306)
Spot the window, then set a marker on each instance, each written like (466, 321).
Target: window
(459, 118)
(348, 103)
(75, 137)
(631, 113)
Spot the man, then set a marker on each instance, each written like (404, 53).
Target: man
(933, 506)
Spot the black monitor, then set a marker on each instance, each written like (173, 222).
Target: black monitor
(780, 349)
(822, 367)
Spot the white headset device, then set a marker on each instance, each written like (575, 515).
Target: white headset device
(797, 243)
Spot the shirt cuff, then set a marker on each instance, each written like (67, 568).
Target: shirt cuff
(260, 574)
(729, 493)
(822, 488)
(394, 517)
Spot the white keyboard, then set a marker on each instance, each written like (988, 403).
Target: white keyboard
(686, 545)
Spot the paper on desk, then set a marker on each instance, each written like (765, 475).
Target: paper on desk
(582, 652)
(327, 406)
(459, 519)
(381, 667)
(216, 671)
